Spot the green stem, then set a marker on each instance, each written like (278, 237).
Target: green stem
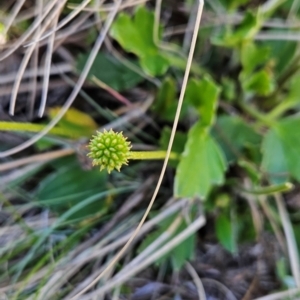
(256, 114)
(272, 189)
(151, 155)
(15, 126)
(280, 109)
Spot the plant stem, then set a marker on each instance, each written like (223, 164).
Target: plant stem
(280, 109)
(272, 189)
(151, 155)
(16, 126)
(256, 114)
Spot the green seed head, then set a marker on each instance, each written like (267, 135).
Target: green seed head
(109, 150)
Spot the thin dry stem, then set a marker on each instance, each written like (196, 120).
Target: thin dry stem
(25, 61)
(36, 158)
(185, 79)
(153, 246)
(290, 239)
(62, 23)
(290, 294)
(29, 32)
(197, 281)
(74, 93)
(18, 5)
(117, 280)
(48, 60)
(109, 7)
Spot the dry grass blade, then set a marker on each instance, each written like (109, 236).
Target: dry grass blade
(34, 65)
(48, 60)
(29, 32)
(36, 158)
(152, 247)
(290, 239)
(290, 294)
(26, 59)
(222, 287)
(197, 281)
(74, 93)
(13, 15)
(55, 69)
(107, 245)
(176, 119)
(62, 23)
(117, 280)
(81, 256)
(109, 7)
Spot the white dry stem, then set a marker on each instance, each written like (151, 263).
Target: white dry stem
(225, 290)
(197, 281)
(102, 248)
(34, 64)
(62, 23)
(270, 5)
(43, 157)
(262, 199)
(14, 12)
(26, 88)
(176, 119)
(153, 246)
(48, 60)
(26, 59)
(75, 91)
(289, 294)
(290, 239)
(55, 69)
(29, 32)
(109, 7)
(294, 9)
(188, 33)
(117, 280)
(278, 36)
(252, 202)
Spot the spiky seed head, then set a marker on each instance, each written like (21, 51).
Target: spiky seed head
(109, 149)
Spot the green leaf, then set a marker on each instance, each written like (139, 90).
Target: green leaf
(225, 233)
(294, 90)
(165, 104)
(234, 135)
(184, 251)
(69, 185)
(179, 140)
(274, 161)
(244, 32)
(288, 131)
(281, 148)
(74, 120)
(166, 96)
(249, 26)
(203, 95)
(135, 35)
(202, 165)
(228, 89)
(253, 56)
(154, 64)
(178, 144)
(111, 71)
(262, 83)
(233, 4)
(282, 52)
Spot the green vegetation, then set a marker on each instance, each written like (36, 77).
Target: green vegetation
(234, 170)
